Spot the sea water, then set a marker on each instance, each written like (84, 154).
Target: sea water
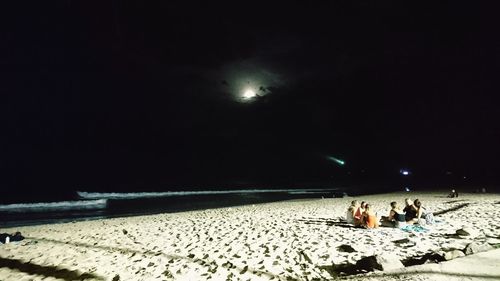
(96, 205)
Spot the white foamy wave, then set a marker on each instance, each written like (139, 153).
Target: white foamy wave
(306, 192)
(135, 195)
(54, 206)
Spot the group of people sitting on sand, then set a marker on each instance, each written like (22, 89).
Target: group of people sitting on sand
(361, 215)
(413, 213)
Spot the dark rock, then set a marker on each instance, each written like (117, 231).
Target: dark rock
(116, 278)
(465, 231)
(433, 257)
(401, 241)
(427, 258)
(125, 231)
(379, 262)
(404, 243)
(474, 248)
(346, 248)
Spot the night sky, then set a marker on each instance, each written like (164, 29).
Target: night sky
(150, 96)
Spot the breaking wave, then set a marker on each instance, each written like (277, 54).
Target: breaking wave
(135, 195)
(54, 206)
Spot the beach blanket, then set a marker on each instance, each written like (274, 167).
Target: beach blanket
(414, 228)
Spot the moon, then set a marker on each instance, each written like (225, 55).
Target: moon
(249, 93)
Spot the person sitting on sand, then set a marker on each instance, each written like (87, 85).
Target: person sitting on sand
(358, 215)
(362, 206)
(396, 217)
(453, 194)
(349, 216)
(369, 218)
(410, 211)
(423, 217)
(415, 213)
(354, 214)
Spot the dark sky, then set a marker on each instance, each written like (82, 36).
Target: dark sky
(111, 95)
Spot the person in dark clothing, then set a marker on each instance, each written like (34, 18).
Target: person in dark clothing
(396, 217)
(410, 212)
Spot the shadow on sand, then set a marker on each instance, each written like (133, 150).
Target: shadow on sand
(344, 270)
(47, 271)
(328, 222)
(451, 209)
(150, 253)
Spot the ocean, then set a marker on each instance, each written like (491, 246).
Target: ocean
(97, 205)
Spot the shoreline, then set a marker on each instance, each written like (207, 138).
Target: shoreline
(291, 239)
(133, 204)
(49, 219)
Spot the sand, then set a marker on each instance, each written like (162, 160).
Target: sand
(290, 240)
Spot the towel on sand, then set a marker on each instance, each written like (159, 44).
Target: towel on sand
(414, 228)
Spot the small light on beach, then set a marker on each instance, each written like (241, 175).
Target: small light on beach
(404, 172)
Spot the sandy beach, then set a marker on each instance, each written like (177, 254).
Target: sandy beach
(290, 240)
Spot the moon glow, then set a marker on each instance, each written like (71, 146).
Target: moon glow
(249, 93)
(247, 81)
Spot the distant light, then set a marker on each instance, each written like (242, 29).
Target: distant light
(407, 189)
(248, 94)
(404, 172)
(336, 160)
